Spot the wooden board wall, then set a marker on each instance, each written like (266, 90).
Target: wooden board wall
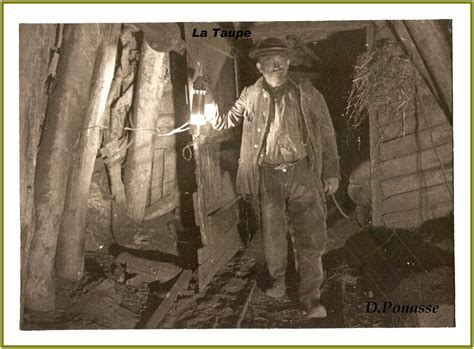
(164, 181)
(216, 204)
(413, 171)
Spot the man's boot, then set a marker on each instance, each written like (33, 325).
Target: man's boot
(314, 309)
(278, 288)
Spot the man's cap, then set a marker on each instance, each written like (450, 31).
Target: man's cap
(269, 46)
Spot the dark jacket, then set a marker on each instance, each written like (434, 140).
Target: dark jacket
(253, 107)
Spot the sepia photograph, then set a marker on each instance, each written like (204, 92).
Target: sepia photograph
(272, 174)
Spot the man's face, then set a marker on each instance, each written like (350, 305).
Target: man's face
(274, 68)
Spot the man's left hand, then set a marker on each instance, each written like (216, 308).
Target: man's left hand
(331, 185)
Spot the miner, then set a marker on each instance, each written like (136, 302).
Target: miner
(288, 164)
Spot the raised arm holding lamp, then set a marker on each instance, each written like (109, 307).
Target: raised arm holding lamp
(288, 163)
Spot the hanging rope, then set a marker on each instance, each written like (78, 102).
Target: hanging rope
(156, 131)
(341, 211)
(187, 151)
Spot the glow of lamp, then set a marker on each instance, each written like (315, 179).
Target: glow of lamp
(197, 111)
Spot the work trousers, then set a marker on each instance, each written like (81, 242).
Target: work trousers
(291, 198)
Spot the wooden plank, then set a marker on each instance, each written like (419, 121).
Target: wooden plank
(385, 115)
(197, 212)
(153, 234)
(221, 253)
(416, 142)
(412, 124)
(433, 45)
(223, 218)
(416, 180)
(167, 120)
(412, 219)
(266, 29)
(180, 285)
(209, 251)
(150, 270)
(170, 179)
(157, 175)
(202, 179)
(375, 173)
(166, 123)
(164, 205)
(113, 154)
(415, 55)
(424, 160)
(151, 78)
(62, 125)
(166, 103)
(162, 37)
(70, 250)
(222, 158)
(165, 142)
(418, 198)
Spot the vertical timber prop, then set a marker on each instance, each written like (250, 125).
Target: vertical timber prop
(36, 43)
(70, 250)
(151, 80)
(65, 114)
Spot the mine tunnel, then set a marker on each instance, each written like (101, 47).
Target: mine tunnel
(130, 214)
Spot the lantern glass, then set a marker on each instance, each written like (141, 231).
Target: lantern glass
(197, 119)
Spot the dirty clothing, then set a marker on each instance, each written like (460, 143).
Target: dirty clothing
(253, 106)
(284, 142)
(294, 191)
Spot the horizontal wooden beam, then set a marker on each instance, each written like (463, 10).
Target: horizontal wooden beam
(319, 30)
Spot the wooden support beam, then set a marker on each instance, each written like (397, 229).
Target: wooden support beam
(408, 32)
(65, 114)
(36, 43)
(162, 37)
(70, 251)
(160, 313)
(315, 30)
(151, 80)
(432, 44)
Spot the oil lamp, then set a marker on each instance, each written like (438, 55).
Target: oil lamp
(197, 109)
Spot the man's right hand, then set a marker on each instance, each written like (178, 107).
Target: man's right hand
(201, 84)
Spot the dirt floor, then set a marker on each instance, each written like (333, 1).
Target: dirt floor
(361, 266)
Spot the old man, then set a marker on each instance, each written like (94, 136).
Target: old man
(288, 163)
